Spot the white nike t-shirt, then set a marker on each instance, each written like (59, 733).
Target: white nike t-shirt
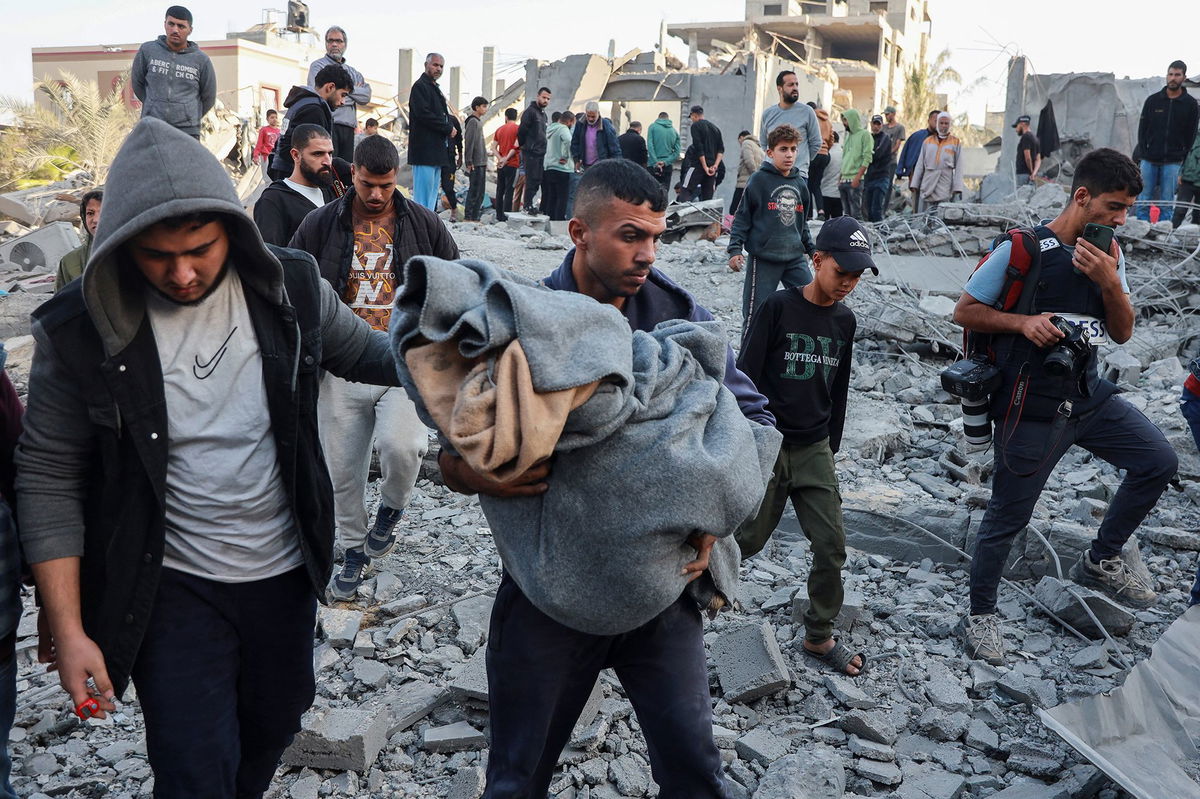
(228, 516)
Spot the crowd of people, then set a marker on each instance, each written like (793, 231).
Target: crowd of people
(208, 388)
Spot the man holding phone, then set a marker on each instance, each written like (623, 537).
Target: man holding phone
(1040, 410)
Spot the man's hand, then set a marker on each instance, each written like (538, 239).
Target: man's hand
(78, 659)
(453, 133)
(562, 160)
(1040, 330)
(463, 479)
(736, 262)
(45, 653)
(1099, 266)
(703, 543)
(711, 170)
(856, 182)
(659, 164)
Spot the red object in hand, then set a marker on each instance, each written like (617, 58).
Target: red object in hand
(87, 708)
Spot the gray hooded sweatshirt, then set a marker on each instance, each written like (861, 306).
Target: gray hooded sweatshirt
(659, 452)
(178, 88)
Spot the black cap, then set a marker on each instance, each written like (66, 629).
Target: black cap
(696, 110)
(846, 240)
(1020, 119)
(877, 118)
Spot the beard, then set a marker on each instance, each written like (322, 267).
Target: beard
(321, 177)
(791, 97)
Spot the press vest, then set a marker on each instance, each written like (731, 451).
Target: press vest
(1060, 289)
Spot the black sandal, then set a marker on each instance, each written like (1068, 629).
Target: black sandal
(839, 658)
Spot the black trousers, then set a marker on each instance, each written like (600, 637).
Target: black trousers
(556, 185)
(832, 206)
(540, 674)
(1187, 192)
(343, 142)
(816, 170)
(663, 176)
(223, 676)
(448, 186)
(534, 169)
(505, 178)
(737, 199)
(1115, 431)
(704, 185)
(477, 176)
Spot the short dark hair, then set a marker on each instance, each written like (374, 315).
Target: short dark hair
(272, 111)
(663, 115)
(510, 114)
(744, 133)
(697, 109)
(811, 105)
(333, 73)
(635, 125)
(779, 78)
(554, 117)
(94, 194)
(179, 12)
(371, 122)
(1179, 65)
(303, 134)
(478, 101)
(1105, 170)
(377, 155)
(545, 89)
(620, 179)
(934, 111)
(781, 134)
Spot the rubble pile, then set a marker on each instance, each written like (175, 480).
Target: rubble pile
(401, 708)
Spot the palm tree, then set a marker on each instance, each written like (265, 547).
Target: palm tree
(921, 89)
(81, 130)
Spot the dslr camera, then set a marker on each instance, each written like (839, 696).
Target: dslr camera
(1072, 348)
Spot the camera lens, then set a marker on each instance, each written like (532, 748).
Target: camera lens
(1059, 362)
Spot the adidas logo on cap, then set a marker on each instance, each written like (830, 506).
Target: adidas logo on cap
(859, 239)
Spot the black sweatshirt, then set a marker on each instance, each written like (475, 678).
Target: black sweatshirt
(771, 223)
(798, 354)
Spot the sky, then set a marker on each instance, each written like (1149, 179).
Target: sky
(981, 34)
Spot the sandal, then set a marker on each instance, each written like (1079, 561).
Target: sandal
(839, 658)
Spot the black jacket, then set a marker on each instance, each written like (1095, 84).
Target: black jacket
(1167, 128)
(454, 146)
(124, 498)
(428, 124)
(706, 138)
(531, 134)
(328, 235)
(304, 107)
(633, 147)
(280, 210)
(882, 159)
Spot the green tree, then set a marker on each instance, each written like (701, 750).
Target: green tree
(80, 129)
(923, 89)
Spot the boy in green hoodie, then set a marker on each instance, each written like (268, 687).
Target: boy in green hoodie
(662, 148)
(857, 151)
(770, 224)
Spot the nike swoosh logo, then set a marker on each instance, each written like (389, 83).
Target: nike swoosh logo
(210, 366)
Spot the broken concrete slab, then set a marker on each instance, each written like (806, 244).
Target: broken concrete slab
(412, 702)
(815, 772)
(872, 725)
(344, 738)
(472, 616)
(749, 663)
(872, 750)
(848, 693)
(926, 781)
(1065, 603)
(878, 772)
(457, 737)
(761, 745)
(891, 535)
(469, 680)
(1032, 789)
(944, 690)
(1036, 761)
(1172, 537)
(468, 783)
(339, 626)
(982, 737)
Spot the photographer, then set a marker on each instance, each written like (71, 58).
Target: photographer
(1051, 395)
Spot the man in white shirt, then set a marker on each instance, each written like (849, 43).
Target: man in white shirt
(284, 204)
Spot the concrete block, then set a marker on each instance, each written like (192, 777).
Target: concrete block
(324, 656)
(925, 781)
(1122, 367)
(872, 725)
(364, 646)
(344, 738)
(942, 726)
(872, 750)
(631, 774)
(472, 617)
(410, 703)
(457, 737)
(469, 680)
(468, 783)
(815, 772)
(371, 673)
(848, 693)
(1053, 593)
(520, 221)
(853, 608)
(762, 745)
(749, 663)
(1172, 537)
(1089, 511)
(893, 537)
(339, 626)
(982, 737)
(1032, 789)
(945, 691)
(1090, 657)
(877, 772)
(1033, 760)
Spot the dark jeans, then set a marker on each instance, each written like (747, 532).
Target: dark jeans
(1117, 432)
(763, 278)
(556, 185)
(877, 197)
(533, 177)
(704, 185)
(8, 710)
(832, 206)
(343, 142)
(540, 674)
(816, 170)
(852, 199)
(224, 674)
(805, 475)
(1187, 192)
(572, 186)
(505, 178)
(477, 175)
(448, 187)
(663, 176)
(1190, 406)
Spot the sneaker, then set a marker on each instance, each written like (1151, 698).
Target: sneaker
(382, 535)
(344, 585)
(982, 638)
(1113, 576)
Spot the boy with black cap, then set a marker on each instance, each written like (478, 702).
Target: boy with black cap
(798, 353)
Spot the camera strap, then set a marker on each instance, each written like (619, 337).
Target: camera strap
(1057, 428)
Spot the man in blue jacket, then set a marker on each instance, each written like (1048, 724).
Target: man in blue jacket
(594, 140)
(541, 672)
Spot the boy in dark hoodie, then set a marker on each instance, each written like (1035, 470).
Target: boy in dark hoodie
(770, 225)
(307, 106)
(798, 353)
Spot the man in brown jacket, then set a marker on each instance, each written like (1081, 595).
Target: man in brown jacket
(749, 160)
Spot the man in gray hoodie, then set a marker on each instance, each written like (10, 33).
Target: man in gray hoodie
(171, 76)
(345, 116)
(175, 505)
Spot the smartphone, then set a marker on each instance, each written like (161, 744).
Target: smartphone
(1099, 236)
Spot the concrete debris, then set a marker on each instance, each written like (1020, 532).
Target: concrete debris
(339, 626)
(468, 783)
(872, 725)
(749, 663)
(345, 738)
(1065, 602)
(457, 737)
(762, 746)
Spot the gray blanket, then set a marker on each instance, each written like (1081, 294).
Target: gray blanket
(660, 452)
